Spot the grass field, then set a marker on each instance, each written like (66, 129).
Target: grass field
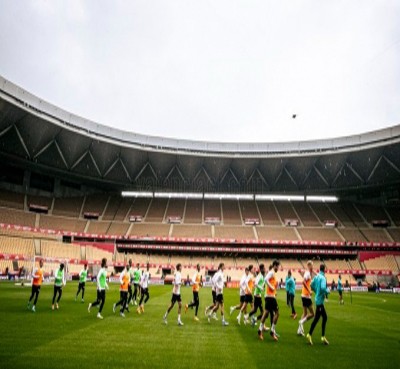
(365, 334)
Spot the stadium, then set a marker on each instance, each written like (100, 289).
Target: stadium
(76, 192)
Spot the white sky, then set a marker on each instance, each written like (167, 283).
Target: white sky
(220, 70)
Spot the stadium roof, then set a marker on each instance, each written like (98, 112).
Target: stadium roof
(39, 135)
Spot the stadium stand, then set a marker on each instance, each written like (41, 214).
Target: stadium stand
(371, 213)
(394, 213)
(39, 200)
(191, 231)
(277, 233)
(148, 230)
(341, 215)
(117, 209)
(291, 264)
(62, 223)
(175, 208)
(376, 235)
(156, 210)
(97, 227)
(322, 211)
(380, 263)
(95, 253)
(12, 200)
(194, 212)
(354, 214)
(395, 234)
(268, 213)
(249, 210)
(10, 216)
(17, 245)
(68, 207)
(95, 204)
(338, 264)
(212, 209)
(285, 210)
(117, 228)
(231, 212)
(320, 234)
(306, 215)
(238, 232)
(355, 264)
(352, 235)
(56, 249)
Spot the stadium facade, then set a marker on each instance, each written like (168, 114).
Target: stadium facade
(62, 177)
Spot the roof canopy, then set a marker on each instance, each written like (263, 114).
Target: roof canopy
(38, 134)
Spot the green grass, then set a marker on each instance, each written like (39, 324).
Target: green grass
(365, 334)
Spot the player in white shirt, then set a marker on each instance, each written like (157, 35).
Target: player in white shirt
(242, 292)
(248, 297)
(214, 298)
(176, 295)
(219, 289)
(308, 311)
(144, 287)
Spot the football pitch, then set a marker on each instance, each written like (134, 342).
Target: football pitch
(364, 334)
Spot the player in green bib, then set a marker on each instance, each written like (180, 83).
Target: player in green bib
(137, 276)
(59, 282)
(82, 282)
(259, 287)
(101, 288)
(130, 292)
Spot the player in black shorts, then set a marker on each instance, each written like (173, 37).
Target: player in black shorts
(176, 295)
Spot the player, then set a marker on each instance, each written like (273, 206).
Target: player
(82, 282)
(271, 305)
(259, 287)
(101, 288)
(340, 290)
(124, 280)
(137, 276)
(308, 310)
(291, 290)
(219, 289)
(144, 288)
(320, 287)
(37, 279)
(130, 292)
(214, 299)
(176, 295)
(197, 281)
(248, 297)
(59, 282)
(242, 293)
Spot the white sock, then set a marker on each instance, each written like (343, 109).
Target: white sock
(302, 321)
(261, 326)
(179, 317)
(273, 327)
(240, 315)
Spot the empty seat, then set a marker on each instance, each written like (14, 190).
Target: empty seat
(194, 211)
(268, 213)
(191, 231)
(231, 213)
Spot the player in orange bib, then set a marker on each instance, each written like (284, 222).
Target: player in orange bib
(308, 311)
(37, 279)
(124, 280)
(197, 282)
(271, 305)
